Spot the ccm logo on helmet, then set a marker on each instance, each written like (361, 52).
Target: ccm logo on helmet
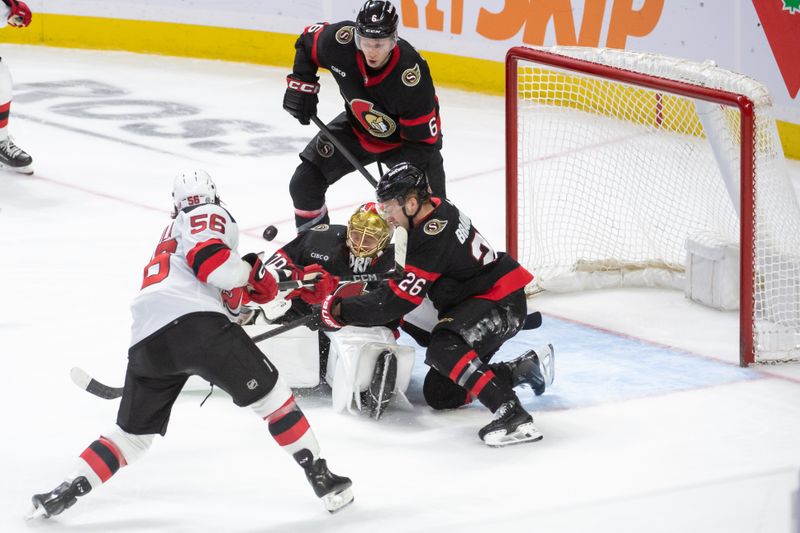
(303, 87)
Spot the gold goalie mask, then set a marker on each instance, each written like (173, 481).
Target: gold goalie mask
(367, 233)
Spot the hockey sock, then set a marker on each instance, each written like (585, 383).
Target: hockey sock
(287, 423)
(479, 380)
(307, 219)
(5, 99)
(105, 456)
(5, 109)
(101, 460)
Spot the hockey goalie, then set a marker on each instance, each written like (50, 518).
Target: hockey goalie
(365, 367)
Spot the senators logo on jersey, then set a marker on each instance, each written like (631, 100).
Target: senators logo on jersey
(411, 76)
(376, 123)
(345, 35)
(324, 147)
(432, 227)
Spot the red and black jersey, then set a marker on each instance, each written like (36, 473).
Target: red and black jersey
(326, 245)
(449, 261)
(386, 108)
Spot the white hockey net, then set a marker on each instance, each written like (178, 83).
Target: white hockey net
(610, 174)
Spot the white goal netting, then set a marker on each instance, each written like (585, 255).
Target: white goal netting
(613, 177)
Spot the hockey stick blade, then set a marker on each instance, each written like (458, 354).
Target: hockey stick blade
(296, 323)
(400, 247)
(533, 320)
(92, 386)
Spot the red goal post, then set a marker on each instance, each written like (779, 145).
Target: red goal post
(614, 160)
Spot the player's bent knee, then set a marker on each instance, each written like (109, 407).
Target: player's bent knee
(131, 446)
(440, 393)
(273, 400)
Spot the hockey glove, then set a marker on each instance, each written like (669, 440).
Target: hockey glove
(20, 15)
(324, 284)
(301, 99)
(261, 285)
(322, 317)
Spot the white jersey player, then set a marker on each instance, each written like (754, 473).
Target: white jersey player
(16, 14)
(181, 327)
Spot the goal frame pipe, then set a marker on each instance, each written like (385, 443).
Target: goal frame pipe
(747, 220)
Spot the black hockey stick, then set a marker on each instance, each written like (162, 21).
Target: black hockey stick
(107, 392)
(532, 321)
(345, 152)
(101, 390)
(91, 385)
(400, 247)
(367, 278)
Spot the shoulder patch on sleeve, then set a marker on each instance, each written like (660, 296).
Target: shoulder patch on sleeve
(411, 76)
(434, 227)
(345, 34)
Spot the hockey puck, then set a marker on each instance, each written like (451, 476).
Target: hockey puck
(269, 233)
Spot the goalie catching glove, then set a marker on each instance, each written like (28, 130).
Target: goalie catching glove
(301, 99)
(19, 14)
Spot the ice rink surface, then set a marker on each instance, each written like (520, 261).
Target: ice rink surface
(649, 426)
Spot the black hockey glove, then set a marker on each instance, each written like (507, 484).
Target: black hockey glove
(301, 99)
(322, 318)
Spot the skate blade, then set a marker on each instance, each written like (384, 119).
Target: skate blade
(20, 170)
(337, 501)
(523, 433)
(36, 512)
(547, 364)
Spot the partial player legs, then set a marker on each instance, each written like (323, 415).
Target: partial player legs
(487, 325)
(307, 188)
(322, 165)
(12, 157)
(289, 427)
(97, 464)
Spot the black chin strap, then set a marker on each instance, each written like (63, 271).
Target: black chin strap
(411, 217)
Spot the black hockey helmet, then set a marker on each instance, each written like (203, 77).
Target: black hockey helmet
(400, 180)
(377, 19)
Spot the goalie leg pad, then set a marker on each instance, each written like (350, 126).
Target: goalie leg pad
(381, 388)
(352, 362)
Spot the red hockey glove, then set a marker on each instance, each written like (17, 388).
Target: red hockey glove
(261, 286)
(20, 15)
(325, 284)
(322, 317)
(301, 99)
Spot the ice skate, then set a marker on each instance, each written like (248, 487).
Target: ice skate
(60, 498)
(535, 368)
(12, 157)
(334, 491)
(512, 424)
(381, 389)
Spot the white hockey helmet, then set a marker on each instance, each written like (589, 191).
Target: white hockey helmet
(193, 187)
